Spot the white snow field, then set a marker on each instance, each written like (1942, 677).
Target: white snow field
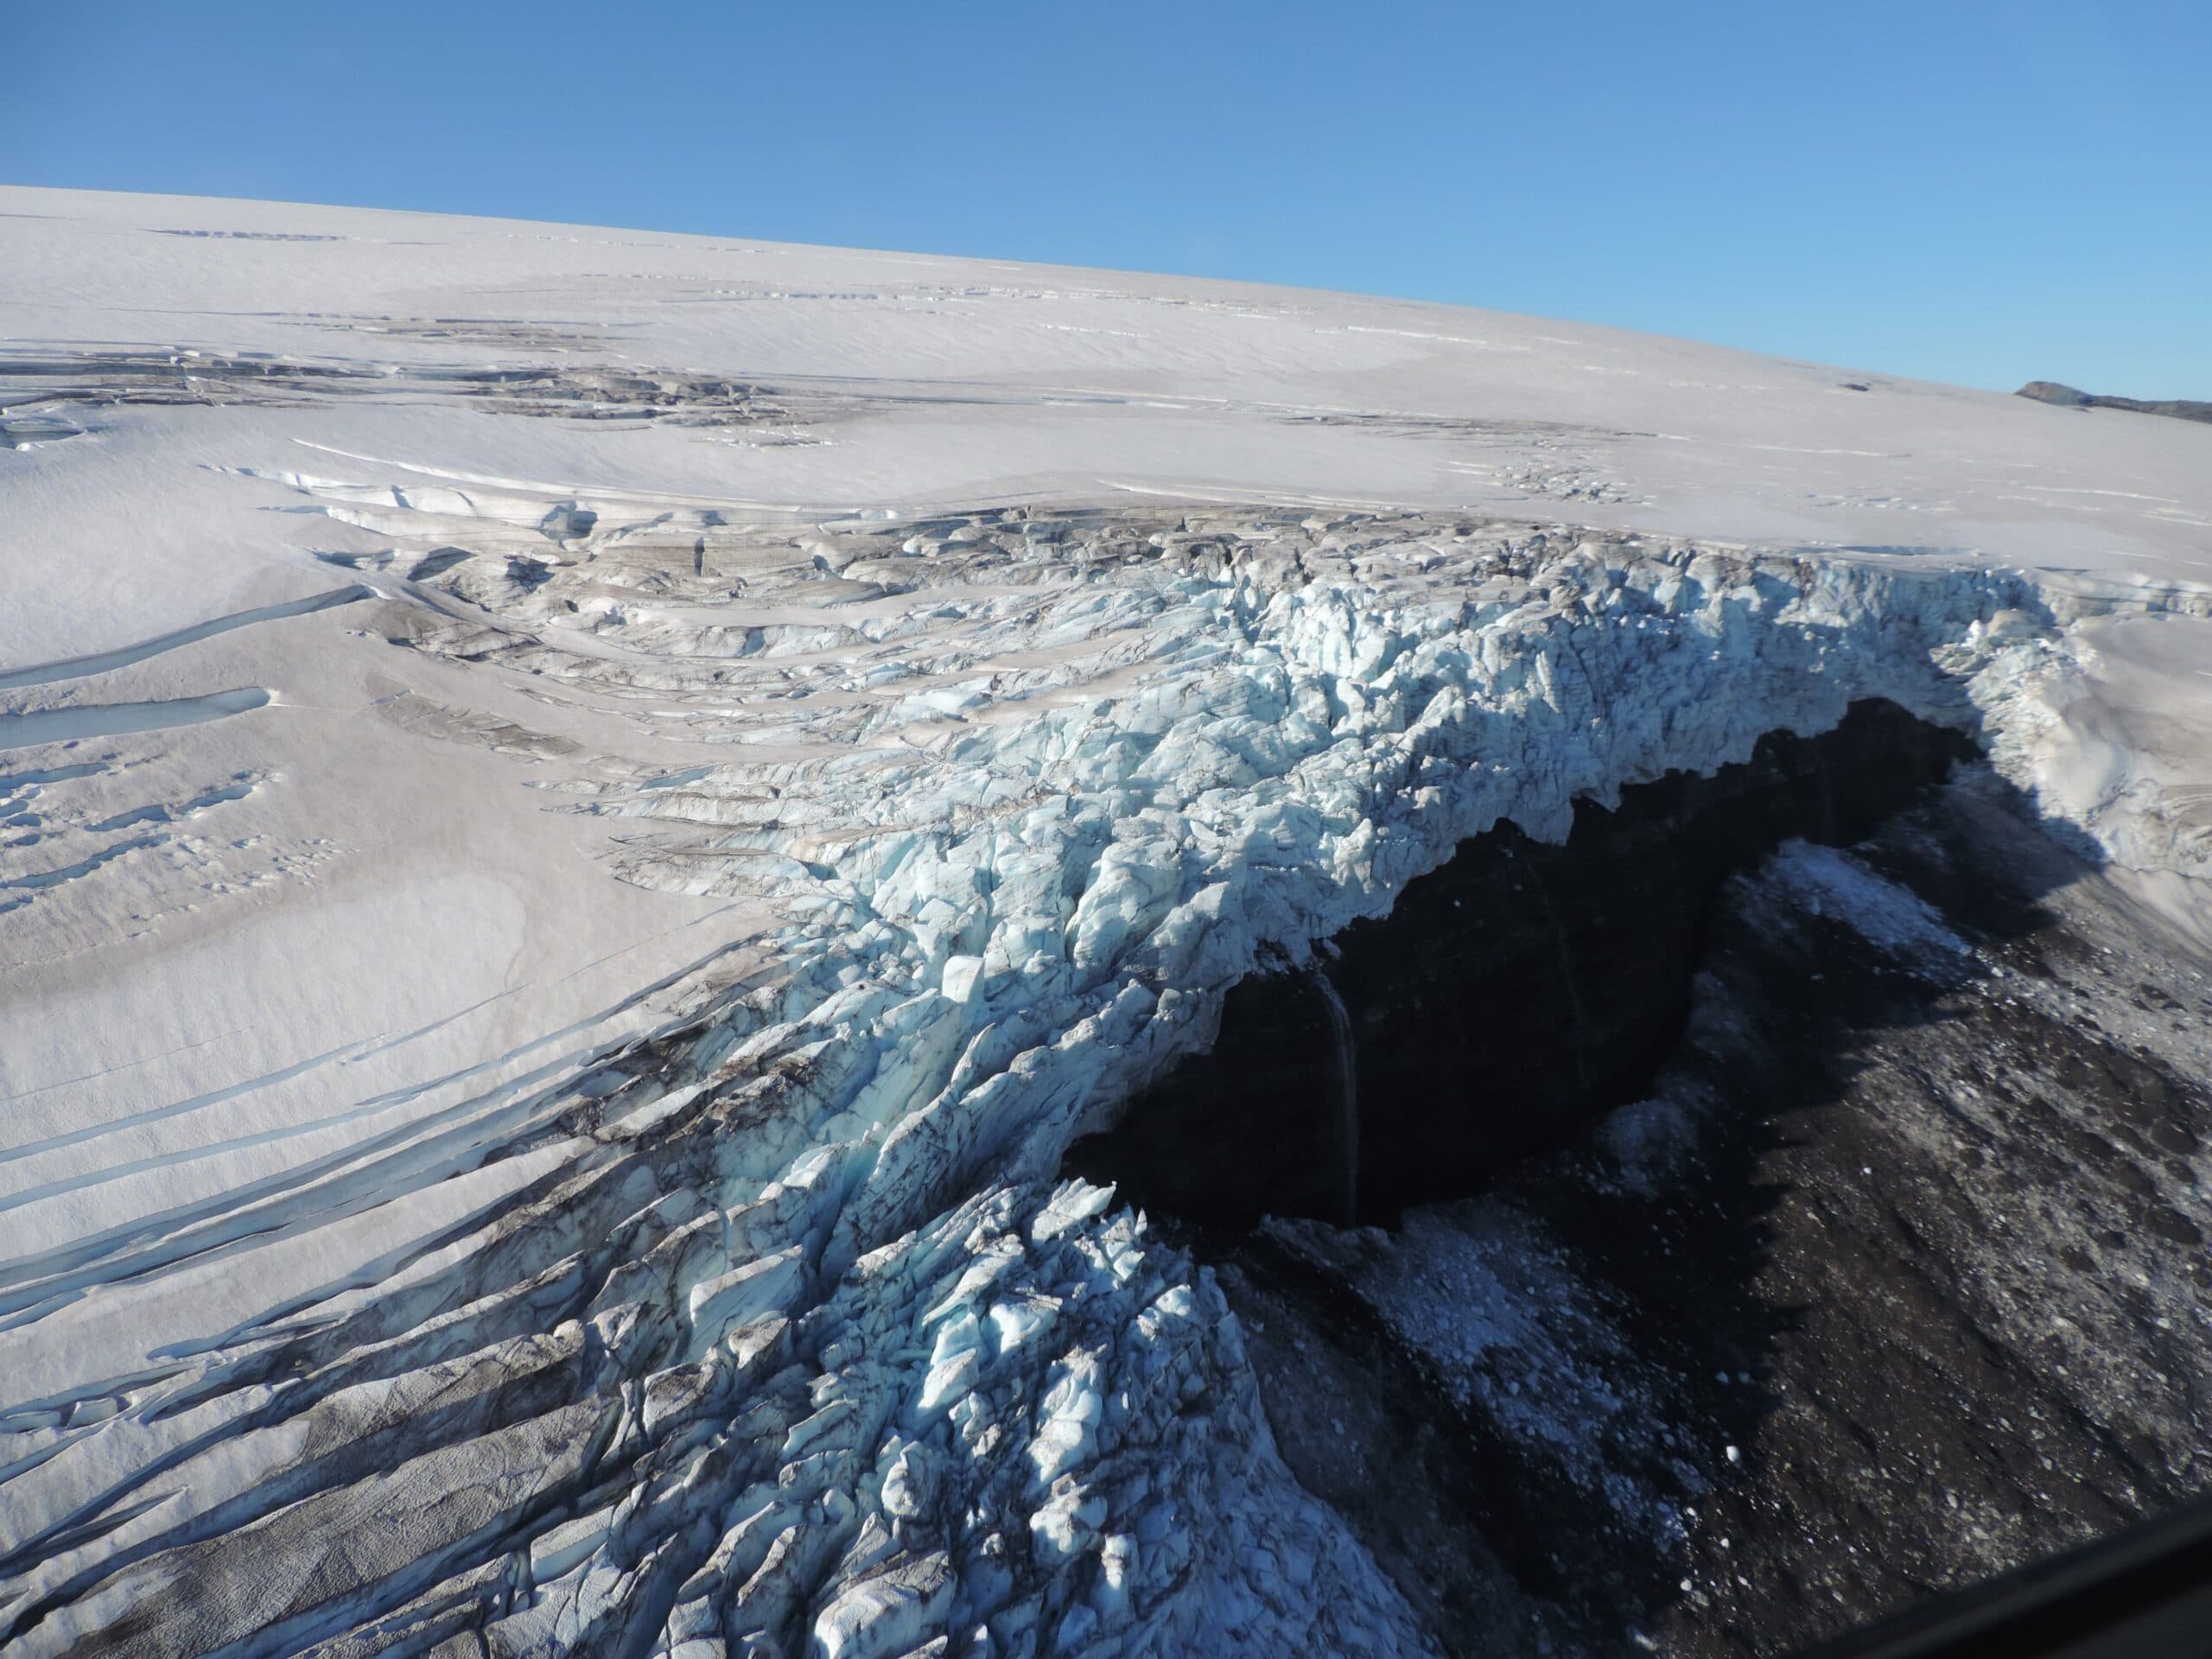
(586, 814)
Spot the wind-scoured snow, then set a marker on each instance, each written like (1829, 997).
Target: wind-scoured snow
(542, 1116)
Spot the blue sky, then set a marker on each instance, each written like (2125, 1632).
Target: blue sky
(1984, 193)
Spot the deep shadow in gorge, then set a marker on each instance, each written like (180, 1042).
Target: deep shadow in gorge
(1509, 996)
(1894, 1176)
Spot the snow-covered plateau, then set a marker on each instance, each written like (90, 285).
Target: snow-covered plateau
(586, 816)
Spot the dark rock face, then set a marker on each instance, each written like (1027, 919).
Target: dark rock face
(2050, 391)
(1891, 1278)
(1509, 996)
(1949, 1218)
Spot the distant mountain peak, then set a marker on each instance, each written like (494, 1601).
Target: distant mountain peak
(2051, 391)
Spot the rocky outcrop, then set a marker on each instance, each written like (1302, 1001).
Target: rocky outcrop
(2051, 391)
(780, 1333)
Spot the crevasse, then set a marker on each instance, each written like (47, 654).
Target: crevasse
(797, 1341)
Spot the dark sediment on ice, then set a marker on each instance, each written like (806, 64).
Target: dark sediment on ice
(1891, 1278)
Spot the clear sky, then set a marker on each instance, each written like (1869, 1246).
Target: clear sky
(1978, 193)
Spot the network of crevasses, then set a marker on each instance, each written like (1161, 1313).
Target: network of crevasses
(823, 1356)
(1018, 1087)
(1121, 892)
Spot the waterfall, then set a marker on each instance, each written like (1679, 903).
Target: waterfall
(1347, 1097)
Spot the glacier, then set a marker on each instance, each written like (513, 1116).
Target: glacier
(576, 859)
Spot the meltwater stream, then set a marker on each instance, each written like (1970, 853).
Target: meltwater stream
(118, 719)
(78, 668)
(1347, 1058)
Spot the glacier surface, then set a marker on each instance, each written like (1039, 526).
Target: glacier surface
(586, 816)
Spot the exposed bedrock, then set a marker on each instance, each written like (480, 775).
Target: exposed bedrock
(2051, 391)
(1506, 999)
